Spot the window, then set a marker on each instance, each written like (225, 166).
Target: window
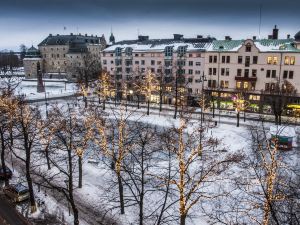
(238, 84)
(128, 70)
(254, 73)
(286, 60)
(169, 51)
(168, 63)
(248, 47)
(152, 70)
(227, 71)
(214, 71)
(246, 73)
(291, 74)
(197, 72)
(269, 60)
(128, 62)
(198, 63)
(190, 80)
(104, 62)
(118, 51)
(222, 71)
(268, 75)
(226, 85)
(181, 50)
(209, 71)
(239, 72)
(190, 55)
(128, 51)
(223, 59)
(228, 59)
(181, 63)
(215, 59)
(143, 62)
(191, 63)
(240, 59)
(247, 61)
(152, 62)
(246, 85)
(210, 59)
(285, 74)
(275, 60)
(136, 55)
(292, 62)
(118, 62)
(255, 59)
(152, 55)
(190, 72)
(158, 62)
(273, 73)
(137, 62)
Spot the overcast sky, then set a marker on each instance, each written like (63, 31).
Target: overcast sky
(30, 21)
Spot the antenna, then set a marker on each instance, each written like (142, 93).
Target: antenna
(138, 32)
(111, 29)
(259, 27)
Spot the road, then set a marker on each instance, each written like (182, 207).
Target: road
(9, 215)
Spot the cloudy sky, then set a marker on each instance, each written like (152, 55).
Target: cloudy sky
(29, 21)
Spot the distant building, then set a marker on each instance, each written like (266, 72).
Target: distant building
(59, 54)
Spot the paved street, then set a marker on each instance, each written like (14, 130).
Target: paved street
(8, 214)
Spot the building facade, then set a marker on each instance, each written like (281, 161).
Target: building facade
(254, 67)
(60, 54)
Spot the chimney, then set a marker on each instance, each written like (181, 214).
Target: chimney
(57, 35)
(254, 38)
(50, 35)
(288, 36)
(270, 36)
(199, 36)
(143, 38)
(178, 37)
(228, 38)
(85, 35)
(275, 33)
(71, 34)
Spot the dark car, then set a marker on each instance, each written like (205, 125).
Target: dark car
(17, 192)
(5, 175)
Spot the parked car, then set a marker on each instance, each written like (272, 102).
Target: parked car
(17, 192)
(6, 175)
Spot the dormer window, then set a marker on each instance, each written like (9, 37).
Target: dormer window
(118, 52)
(128, 51)
(248, 47)
(181, 50)
(169, 51)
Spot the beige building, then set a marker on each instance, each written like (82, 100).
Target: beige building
(60, 54)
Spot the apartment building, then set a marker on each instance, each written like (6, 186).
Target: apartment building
(58, 54)
(251, 66)
(127, 59)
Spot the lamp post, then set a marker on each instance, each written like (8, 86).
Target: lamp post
(202, 80)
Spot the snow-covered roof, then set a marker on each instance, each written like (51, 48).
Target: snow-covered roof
(264, 45)
(210, 45)
(283, 131)
(159, 45)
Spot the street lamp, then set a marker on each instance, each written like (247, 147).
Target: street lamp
(201, 130)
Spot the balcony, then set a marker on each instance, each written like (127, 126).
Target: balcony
(238, 78)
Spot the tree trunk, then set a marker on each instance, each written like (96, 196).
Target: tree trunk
(29, 182)
(148, 107)
(85, 102)
(160, 102)
(138, 105)
(244, 116)
(47, 157)
(238, 119)
(141, 203)
(3, 156)
(79, 172)
(121, 194)
(103, 104)
(213, 108)
(75, 213)
(182, 219)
